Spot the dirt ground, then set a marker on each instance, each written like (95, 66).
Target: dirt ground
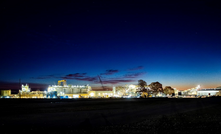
(153, 115)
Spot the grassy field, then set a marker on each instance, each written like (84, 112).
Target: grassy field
(203, 121)
(111, 116)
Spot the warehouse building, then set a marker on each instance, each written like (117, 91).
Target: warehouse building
(209, 92)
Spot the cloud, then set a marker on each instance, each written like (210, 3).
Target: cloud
(88, 78)
(74, 76)
(110, 72)
(134, 75)
(80, 76)
(116, 81)
(124, 79)
(130, 77)
(136, 68)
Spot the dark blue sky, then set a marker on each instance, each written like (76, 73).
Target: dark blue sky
(175, 42)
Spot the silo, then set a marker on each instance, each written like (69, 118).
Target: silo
(68, 90)
(76, 90)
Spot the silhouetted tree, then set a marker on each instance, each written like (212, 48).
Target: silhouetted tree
(156, 87)
(142, 84)
(143, 88)
(168, 90)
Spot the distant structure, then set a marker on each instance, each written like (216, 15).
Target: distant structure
(26, 92)
(176, 91)
(25, 88)
(5, 93)
(68, 91)
(101, 93)
(191, 92)
(127, 91)
(218, 87)
(64, 82)
(209, 92)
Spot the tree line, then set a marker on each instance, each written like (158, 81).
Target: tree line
(145, 90)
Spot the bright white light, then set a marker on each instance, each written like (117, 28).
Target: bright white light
(75, 96)
(91, 94)
(132, 86)
(207, 91)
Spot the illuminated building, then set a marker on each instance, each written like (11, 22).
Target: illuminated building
(63, 90)
(5, 93)
(209, 92)
(100, 94)
(127, 91)
(27, 93)
(191, 92)
(25, 88)
(176, 91)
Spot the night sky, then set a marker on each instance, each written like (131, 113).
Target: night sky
(176, 43)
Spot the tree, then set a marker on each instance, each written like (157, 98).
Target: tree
(143, 88)
(168, 90)
(142, 84)
(156, 87)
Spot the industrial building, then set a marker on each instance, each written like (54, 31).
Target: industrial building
(27, 93)
(128, 91)
(5, 93)
(101, 94)
(191, 92)
(63, 90)
(209, 92)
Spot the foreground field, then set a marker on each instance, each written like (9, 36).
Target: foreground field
(111, 116)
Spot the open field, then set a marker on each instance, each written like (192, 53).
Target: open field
(153, 115)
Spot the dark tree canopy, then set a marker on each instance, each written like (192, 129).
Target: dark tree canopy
(142, 83)
(156, 87)
(168, 90)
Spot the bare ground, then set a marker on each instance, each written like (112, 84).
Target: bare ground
(111, 116)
